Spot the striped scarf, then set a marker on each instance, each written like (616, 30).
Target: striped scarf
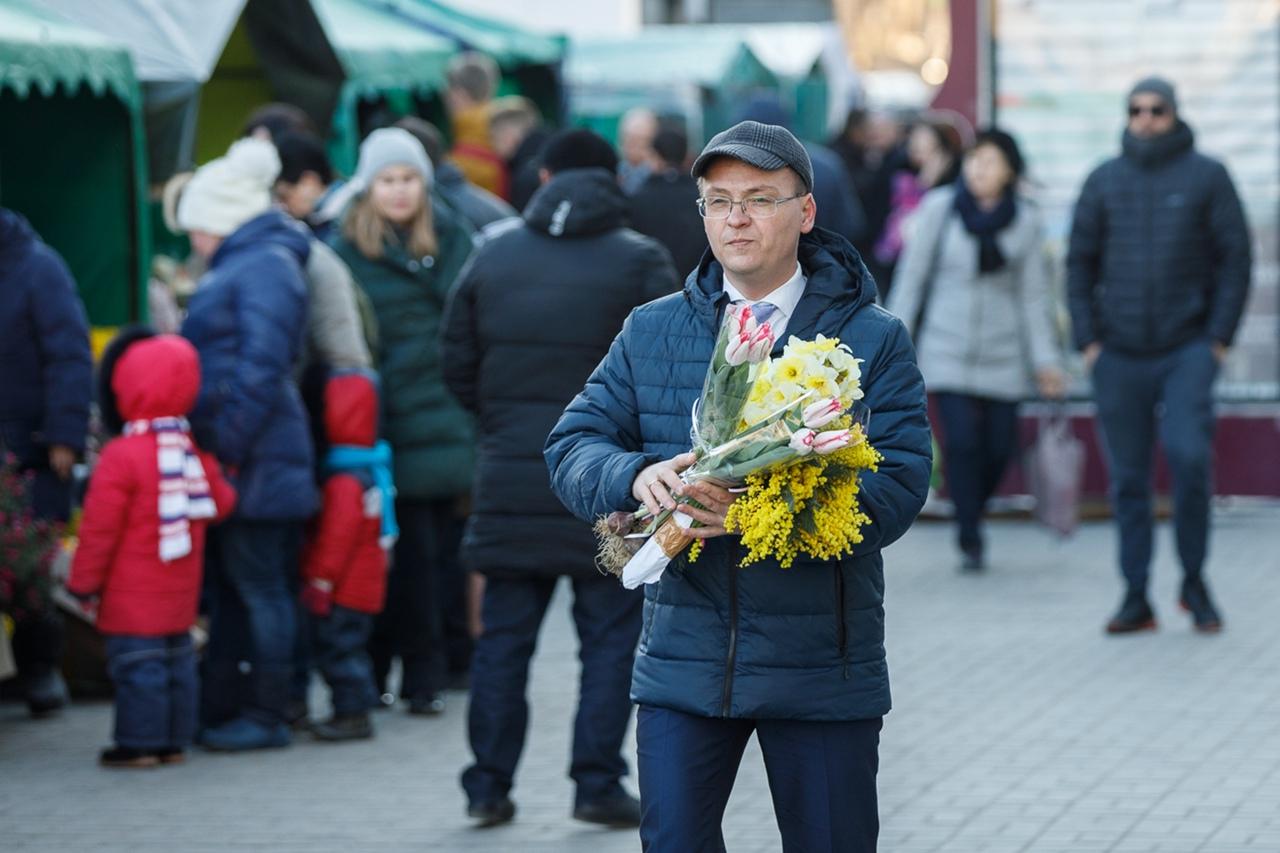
(184, 491)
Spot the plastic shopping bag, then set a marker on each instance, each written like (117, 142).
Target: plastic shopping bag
(1055, 473)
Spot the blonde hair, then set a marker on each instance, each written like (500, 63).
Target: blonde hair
(370, 232)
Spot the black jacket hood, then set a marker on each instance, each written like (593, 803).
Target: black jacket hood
(577, 202)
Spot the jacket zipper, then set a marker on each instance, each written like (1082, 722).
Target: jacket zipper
(733, 641)
(1148, 289)
(842, 637)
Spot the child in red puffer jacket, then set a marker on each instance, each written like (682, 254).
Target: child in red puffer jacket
(141, 549)
(344, 566)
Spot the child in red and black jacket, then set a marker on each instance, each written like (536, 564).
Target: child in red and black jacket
(344, 567)
(141, 549)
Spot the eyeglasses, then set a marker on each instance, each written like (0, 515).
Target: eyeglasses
(1156, 111)
(756, 206)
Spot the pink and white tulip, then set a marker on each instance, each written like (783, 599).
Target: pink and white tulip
(821, 413)
(802, 441)
(831, 441)
(753, 347)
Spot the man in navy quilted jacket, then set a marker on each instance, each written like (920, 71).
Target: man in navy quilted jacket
(1158, 275)
(795, 656)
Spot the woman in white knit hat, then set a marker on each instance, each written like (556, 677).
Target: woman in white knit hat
(405, 254)
(246, 320)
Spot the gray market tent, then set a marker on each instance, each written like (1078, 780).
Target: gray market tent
(72, 154)
(701, 75)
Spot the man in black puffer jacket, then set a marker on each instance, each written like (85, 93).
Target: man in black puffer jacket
(1158, 274)
(532, 314)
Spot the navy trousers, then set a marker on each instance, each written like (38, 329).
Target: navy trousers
(822, 776)
(155, 679)
(607, 618)
(1172, 395)
(980, 435)
(339, 650)
(251, 570)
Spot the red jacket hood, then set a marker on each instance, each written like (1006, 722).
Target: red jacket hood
(351, 409)
(157, 378)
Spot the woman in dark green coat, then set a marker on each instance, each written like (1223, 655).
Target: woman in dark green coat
(405, 254)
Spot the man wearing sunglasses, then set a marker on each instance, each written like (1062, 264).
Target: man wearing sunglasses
(1157, 275)
(794, 657)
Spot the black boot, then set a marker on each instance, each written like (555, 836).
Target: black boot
(488, 813)
(1135, 614)
(344, 727)
(1196, 601)
(618, 810)
(124, 757)
(46, 693)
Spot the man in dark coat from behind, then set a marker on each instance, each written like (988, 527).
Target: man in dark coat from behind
(531, 316)
(665, 207)
(46, 382)
(1157, 278)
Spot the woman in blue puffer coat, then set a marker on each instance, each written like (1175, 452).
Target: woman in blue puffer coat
(247, 320)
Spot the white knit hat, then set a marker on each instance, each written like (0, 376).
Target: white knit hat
(228, 192)
(391, 146)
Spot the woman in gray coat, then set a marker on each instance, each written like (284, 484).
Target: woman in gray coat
(973, 285)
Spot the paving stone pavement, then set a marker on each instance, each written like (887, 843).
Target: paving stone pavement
(1018, 726)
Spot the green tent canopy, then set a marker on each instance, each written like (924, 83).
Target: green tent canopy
(509, 45)
(72, 155)
(703, 77)
(530, 62)
(339, 60)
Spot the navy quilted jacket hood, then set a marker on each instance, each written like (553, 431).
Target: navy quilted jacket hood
(755, 642)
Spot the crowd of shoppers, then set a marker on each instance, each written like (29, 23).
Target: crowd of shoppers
(340, 460)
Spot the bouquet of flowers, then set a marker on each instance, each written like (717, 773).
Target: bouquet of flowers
(28, 548)
(789, 432)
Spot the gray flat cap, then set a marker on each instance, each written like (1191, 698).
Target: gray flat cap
(765, 146)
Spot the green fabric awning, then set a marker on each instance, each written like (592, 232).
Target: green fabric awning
(77, 170)
(41, 54)
(652, 60)
(507, 44)
(378, 51)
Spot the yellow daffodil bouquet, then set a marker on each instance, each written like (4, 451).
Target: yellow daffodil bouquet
(789, 432)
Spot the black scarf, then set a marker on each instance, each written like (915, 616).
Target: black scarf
(985, 224)
(1157, 150)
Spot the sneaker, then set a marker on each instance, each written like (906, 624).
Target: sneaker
(488, 813)
(426, 706)
(1196, 601)
(620, 811)
(123, 757)
(1135, 614)
(46, 693)
(243, 734)
(343, 727)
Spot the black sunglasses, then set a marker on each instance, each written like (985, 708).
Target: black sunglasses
(1157, 111)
